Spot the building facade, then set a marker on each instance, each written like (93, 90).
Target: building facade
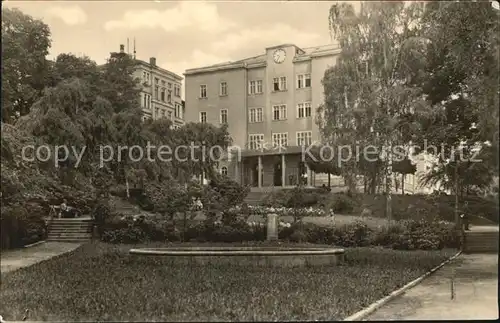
(160, 92)
(269, 103)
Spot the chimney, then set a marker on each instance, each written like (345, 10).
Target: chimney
(152, 61)
(122, 48)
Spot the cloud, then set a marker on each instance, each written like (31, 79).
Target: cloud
(265, 36)
(71, 15)
(186, 14)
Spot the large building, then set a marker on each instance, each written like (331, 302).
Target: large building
(160, 92)
(267, 101)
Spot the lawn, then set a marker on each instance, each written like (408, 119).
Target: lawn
(100, 282)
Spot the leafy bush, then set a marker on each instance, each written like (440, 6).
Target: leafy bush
(298, 197)
(125, 235)
(20, 227)
(343, 204)
(220, 196)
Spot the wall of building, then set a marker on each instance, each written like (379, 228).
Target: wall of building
(158, 108)
(234, 102)
(318, 67)
(258, 101)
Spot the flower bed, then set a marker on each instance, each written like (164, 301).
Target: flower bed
(281, 211)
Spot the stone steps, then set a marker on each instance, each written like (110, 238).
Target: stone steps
(481, 242)
(70, 230)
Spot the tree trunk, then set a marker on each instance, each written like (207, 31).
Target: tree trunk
(329, 181)
(403, 184)
(127, 187)
(388, 185)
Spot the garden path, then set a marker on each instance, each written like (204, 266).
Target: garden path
(15, 259)
(476, 293)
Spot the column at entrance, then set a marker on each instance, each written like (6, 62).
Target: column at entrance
(259, 171)
(283, 170)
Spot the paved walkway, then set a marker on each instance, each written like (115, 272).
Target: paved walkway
(484, 228)
(15, 259)
(476, 293)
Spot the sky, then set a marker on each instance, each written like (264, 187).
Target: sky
(180, 34)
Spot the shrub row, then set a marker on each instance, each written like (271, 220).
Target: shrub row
(403, 235)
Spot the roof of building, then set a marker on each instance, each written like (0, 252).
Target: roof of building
(176, 76)
(303, 53)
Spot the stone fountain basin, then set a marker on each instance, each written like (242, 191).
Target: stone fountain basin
(247, 256)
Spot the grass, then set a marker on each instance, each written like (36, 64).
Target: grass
(100, 282)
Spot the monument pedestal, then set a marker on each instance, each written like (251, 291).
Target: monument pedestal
(272, 227)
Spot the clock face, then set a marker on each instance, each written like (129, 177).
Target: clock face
(279, 56)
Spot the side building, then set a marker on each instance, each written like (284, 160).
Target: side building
(269, 103)
(160, 95)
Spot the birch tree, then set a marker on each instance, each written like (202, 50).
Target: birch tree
(371, 94)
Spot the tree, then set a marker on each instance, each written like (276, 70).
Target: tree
(370, 94)
(404, 167)
(25, 44)
(209, 145)
(461, 84)
(322, 161)
(220, 196)
(120, 86)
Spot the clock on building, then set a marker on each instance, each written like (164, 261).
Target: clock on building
(279, 56)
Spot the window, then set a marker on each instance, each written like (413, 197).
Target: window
(178, 111)
(282, 83)
(223, 89)
(279, 83)
(145, 77)
(304, 110)
(304, 138)
(223, 116)
(255, 141)
(146, 102)
(157, 112)
(223, 170)
(163, 113)
(252, 87)
(276, 84)
(157, 90)
(280, 139)
(259, 86)
(256, 115)
(303, 81)
(279, 112)
(255, 87)
(169, 96)
(203, 117)
(170, 115)
(177, 90)
(169, 85)
(163, 83)
(162, 94)
(203, 91)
